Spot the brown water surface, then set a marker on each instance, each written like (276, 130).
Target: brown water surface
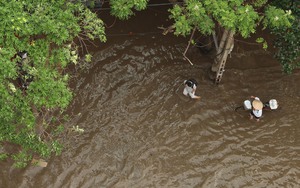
(140, 131)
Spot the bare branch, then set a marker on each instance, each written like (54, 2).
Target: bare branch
(191, 38)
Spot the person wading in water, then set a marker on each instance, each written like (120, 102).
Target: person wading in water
(190, 87)
(257, 107)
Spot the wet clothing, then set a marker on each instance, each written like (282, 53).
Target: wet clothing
(190, 88)
(256, 113)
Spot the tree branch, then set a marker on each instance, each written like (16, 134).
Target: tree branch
(184, 54)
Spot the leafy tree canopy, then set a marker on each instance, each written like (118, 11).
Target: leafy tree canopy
(45, 29)
(288, 39)
(240, 16)
(123, 9)
(243, 17)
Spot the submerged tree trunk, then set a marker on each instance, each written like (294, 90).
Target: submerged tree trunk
(224, 49)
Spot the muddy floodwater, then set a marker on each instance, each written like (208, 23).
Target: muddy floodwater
(140, 131)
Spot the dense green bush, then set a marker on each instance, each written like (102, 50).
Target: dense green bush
(287, 41)
(45, 29)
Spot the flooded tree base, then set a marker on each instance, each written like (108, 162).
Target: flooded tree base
(141, 131)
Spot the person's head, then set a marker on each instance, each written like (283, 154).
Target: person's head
(191, 82)
(257, 105)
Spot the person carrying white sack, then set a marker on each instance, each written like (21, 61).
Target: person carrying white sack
(257, 107)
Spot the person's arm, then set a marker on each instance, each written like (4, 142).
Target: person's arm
(254, 97)
(194, 91)
(194, 88)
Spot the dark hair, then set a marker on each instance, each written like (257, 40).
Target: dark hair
(191, 82)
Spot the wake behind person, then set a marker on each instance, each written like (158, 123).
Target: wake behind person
(190, 87)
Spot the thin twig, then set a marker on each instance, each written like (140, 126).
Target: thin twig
(111, 24)
(192, 35)
(84, 37)
(82, 43)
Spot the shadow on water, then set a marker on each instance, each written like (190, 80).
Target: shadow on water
(140, 131)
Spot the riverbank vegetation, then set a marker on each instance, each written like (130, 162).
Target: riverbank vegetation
(229, 19)
(37, 45)
(287, 40)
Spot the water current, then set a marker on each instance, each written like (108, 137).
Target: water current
(141, 131)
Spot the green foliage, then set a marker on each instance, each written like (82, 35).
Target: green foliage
(277, 18)
(3, 156)
(246, 20)
(57, 147)
(288, 39)
(88, 57)
(233, 15)
(192, 15)
(46, 29)
(59, 129)
(222, 12)
(122, 9)
(22, 159)
(243, 17)
(182, 26)
(263, 42)
(92, 26)
(259, 3)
